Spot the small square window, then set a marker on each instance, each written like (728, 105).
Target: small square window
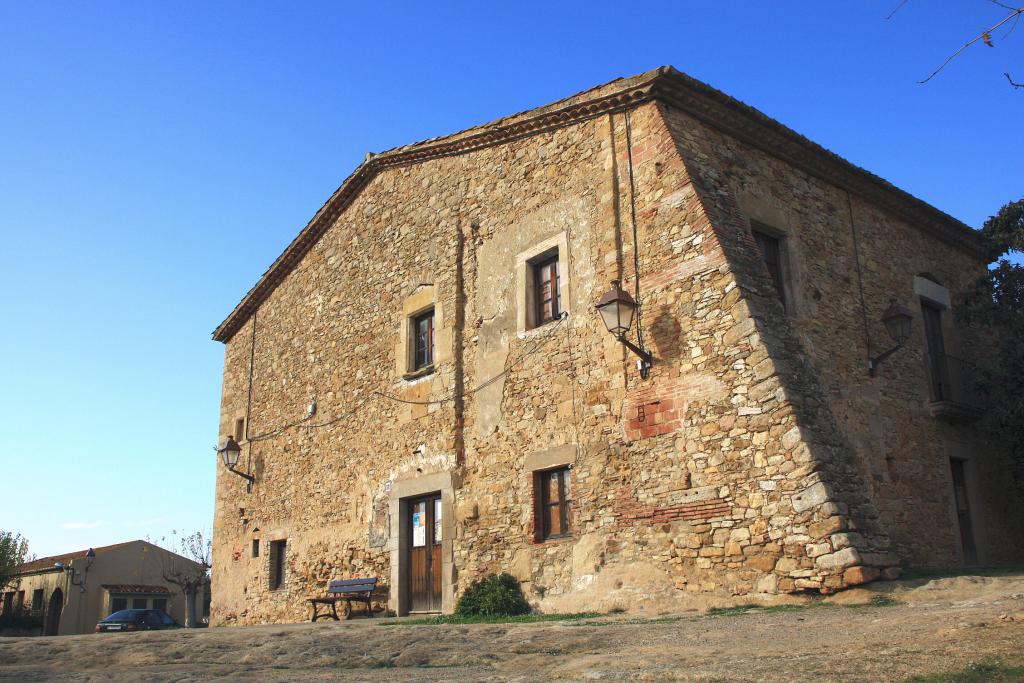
(160, 604)
(139, 603)
(553, 497)
(118, 604)
(547, 303)
(422, 340)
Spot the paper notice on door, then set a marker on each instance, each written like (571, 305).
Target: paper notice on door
(419, 529)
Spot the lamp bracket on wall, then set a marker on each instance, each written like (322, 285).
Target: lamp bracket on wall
(897, 321)
(645, 357)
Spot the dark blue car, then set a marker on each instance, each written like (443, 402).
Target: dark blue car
(137, 620)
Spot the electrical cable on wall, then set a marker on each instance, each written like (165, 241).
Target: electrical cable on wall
(636, 241)
(548, 334)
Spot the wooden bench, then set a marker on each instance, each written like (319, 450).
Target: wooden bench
(360, 590)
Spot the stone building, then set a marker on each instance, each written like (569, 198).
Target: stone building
(71, 592)
(424, 392)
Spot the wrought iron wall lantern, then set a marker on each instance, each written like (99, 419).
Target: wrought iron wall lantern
(897, 321)
(74, 576)
(229, 453)
(617, 309)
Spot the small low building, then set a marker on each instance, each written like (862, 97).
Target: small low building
(69, 593)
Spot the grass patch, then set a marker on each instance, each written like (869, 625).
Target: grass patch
(638, 620)
(986, 671)
(948, 572)
(877, 601)
(752, 608)
(585, 618)
(490, 619)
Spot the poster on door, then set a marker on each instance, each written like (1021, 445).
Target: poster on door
(419, 529)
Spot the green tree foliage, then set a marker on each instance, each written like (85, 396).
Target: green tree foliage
(494, 595)
(996, 304)
(13, 550)
(1005, 230)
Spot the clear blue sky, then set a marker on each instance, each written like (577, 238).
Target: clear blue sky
(156, 157)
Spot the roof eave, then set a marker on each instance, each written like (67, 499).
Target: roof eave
(665, 84)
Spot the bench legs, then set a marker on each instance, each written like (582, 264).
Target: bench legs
(333, 602)
(368, 611)
(333, 613)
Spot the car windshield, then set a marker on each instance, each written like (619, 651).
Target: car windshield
(126, 615)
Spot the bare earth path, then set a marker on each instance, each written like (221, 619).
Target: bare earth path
(939, 625)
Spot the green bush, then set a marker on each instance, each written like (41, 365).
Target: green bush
(494, 595)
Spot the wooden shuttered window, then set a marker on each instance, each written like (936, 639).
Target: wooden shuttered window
(552, 504)
(546, 281)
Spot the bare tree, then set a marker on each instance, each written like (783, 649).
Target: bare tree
(190, 576)
(1013, 14)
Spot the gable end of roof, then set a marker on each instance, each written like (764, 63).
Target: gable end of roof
(665, 85)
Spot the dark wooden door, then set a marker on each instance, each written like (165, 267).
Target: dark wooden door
(963, 511)
(424, 524)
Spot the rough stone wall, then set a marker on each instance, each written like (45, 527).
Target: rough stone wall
(900, 449)
(727, 472)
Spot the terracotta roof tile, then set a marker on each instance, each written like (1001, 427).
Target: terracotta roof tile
(48, 562)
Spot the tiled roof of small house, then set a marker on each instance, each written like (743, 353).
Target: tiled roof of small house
(136, 588)
(44, 563)
(665, 84)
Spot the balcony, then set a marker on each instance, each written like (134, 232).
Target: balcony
(951, 383)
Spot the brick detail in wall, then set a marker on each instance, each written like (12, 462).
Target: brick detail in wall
(631, 512)
(652, 418)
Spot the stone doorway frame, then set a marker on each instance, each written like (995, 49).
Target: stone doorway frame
(402, 491)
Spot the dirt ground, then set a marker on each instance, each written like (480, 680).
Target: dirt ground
(937, 625)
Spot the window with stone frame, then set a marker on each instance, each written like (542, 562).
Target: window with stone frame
(421, 335)
(547, 304)
(772, 254)
(277, 555)
(552, 504)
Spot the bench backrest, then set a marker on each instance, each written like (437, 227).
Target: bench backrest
(353, 586)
